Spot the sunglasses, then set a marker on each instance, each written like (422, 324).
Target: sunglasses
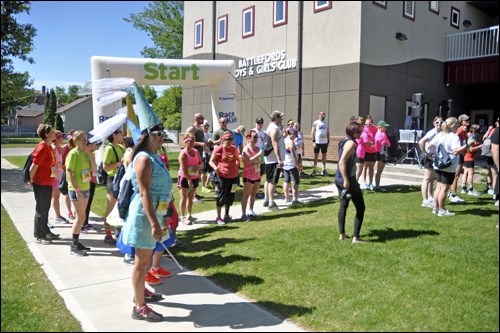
(206, 126)
(157, 134)
(438, 122)
(228, 140)
(255, 136)
(118, 132)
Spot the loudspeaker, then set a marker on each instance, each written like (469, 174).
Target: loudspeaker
(416, 111)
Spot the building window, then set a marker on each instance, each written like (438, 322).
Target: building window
(382, 4)
(455, 17)
(222, 29)
(434, 6)
(320, 6)
(280, 13)
(248, 22)
(198, 34)
(409, 10)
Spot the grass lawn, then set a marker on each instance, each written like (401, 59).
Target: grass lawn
(417, 271)
(30, 303)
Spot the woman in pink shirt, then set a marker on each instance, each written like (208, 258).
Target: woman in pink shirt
(368, 140)
(382, 143)
(225, 161)
(189, 178)
(251, 174)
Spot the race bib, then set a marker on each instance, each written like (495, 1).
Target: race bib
(193, 171)
(86, 175)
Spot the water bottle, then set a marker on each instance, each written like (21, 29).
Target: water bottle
(261, 157)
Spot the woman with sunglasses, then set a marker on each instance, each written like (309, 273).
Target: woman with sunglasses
(59, 169)
(145, 222)
(251, 174)
(189, 178)
(427, 159)
(78, 174)
(225, 161)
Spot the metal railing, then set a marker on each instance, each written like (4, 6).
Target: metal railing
(472, 44)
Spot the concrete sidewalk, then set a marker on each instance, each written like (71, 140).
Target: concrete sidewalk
(97, 289)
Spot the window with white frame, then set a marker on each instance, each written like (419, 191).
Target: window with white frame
(248, 28)
(320, 6)
(382, 4)
(434, 6)
(280, 13)
(409, 9)
(198, 34)
(222, 29)
(455, 17)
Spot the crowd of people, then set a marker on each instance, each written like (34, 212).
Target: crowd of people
(220, 161)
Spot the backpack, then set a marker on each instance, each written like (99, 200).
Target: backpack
(442, 159)
(63, 184)
(102, 175)
(125, 194)
(116, 181)
(267, 145)
(486, 149)
(25, 172)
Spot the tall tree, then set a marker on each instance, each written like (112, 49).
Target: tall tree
(46, 108)
(164, 23)
(52, 107)
(59, 124)
(17, 42)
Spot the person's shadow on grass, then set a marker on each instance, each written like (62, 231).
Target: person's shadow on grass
(389, 234)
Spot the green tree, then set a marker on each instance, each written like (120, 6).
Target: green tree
(17, 42)
(70, 96)
(169, 107)
(59, 124)
(46, 108)
(52, 108)
(164, 22)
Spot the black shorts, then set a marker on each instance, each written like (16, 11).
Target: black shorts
(321, 146)
(182, 182)
(273, 173)
(444, 177)
(291, 175)
(370, 157)
(109, 184)
(381, 158)
(468, 164)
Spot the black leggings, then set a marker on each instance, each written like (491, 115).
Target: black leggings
(359, 203)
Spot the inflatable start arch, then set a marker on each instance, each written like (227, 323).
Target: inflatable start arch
(218, 74)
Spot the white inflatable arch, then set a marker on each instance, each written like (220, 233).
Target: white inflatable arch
(218, 74)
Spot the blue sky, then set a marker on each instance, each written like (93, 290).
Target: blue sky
(69, 33)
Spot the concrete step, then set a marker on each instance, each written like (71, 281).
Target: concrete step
(404, 177)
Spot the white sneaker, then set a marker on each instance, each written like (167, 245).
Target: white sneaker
(496, 203)
(445, 213)
(251, 213)
(434, 210)
(431, 200)
(456, 199)
(464, 190)
(426, 203)
(491, 191)
(473, 193)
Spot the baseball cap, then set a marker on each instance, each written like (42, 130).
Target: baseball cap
(382, 123)
(259, 120)
(277, 114)
(463, 117)
(242, 129)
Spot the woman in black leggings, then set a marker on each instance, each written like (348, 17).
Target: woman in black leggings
(347, 185)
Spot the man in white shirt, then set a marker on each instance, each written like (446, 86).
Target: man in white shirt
(320, 134)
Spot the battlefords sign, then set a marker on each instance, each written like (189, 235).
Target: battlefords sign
(265, 63)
